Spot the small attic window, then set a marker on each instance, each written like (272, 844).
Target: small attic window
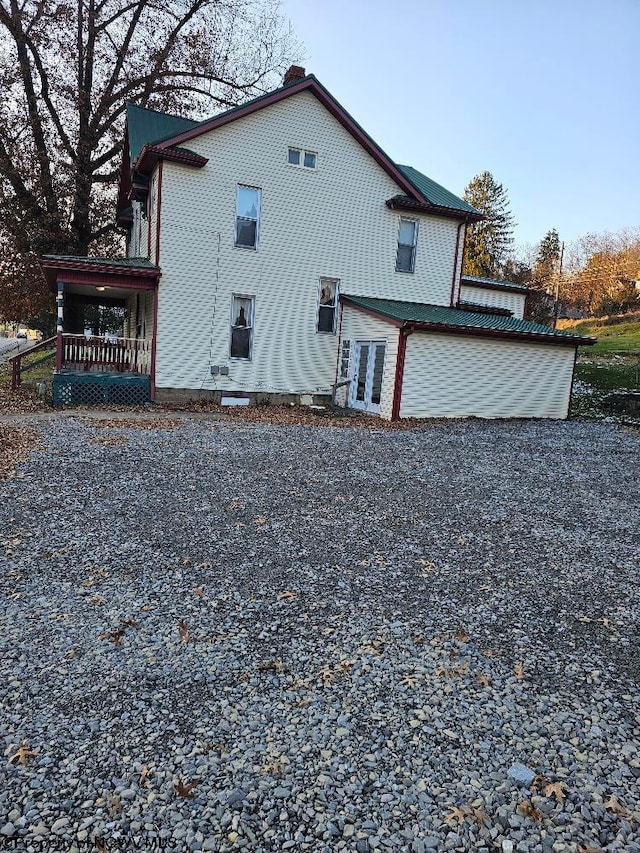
(300, 157)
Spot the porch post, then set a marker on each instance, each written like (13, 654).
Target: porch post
(59, 325)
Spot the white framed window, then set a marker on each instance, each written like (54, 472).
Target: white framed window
(242, 314)
(345, 358)
(248, 201)
(407, 240)
(301, 157)
(327, 305)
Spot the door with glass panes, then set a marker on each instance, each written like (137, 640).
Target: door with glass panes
(368, 367)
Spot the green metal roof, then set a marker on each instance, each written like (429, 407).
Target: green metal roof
(435, 193)
(496, 282)
(124, 263)
(440, 315)
(150, 126)
(145, 126)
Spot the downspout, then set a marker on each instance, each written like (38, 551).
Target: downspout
(404, 333)
(455, 263)
(575, 358)
(335, 383)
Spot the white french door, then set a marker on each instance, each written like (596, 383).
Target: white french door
(366, 377)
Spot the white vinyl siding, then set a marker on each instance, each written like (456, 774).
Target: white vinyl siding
(329, 220)
(357, 326)
(456, 376)
(494, 299)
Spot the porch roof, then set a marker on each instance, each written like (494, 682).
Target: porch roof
(118, 275)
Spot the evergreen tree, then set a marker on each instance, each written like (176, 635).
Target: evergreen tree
(487, 242)
(547, 260)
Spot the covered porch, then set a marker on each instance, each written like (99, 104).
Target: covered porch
(93, 365)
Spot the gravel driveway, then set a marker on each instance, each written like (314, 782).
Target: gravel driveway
(223, 636)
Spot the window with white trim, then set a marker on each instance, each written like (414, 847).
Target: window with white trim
(248, 200)
(242, 311)
(407, 240)
(327, 305)
(300, 157)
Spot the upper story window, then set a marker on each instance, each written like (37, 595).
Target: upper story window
(300, 157)
(407, 240)
(328, 305)
(248, 216)
(242, 327)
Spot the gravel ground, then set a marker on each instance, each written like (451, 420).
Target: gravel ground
(224, 636)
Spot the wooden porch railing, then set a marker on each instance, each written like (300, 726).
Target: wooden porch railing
(119, 355)
(17, 368)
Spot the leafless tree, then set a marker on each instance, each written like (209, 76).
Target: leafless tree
(67, 69)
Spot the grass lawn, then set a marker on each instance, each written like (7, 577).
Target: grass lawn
(616, 335)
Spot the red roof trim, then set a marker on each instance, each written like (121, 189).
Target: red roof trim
(112, 269)
(150, 155)
(433, 209)
(311, 85)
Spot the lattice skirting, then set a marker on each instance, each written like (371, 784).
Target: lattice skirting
(100, 389)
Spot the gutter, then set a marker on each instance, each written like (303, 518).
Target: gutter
(455, 263)
(404, 332)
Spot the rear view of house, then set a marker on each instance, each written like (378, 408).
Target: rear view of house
(275, 251)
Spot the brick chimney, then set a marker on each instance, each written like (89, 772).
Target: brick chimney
(295, 73)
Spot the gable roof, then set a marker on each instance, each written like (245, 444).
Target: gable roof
(151, 134)
(428, 317)
(145, 126)
(436, 193)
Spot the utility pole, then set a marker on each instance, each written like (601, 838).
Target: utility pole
(556, 300)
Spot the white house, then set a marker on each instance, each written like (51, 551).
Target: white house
(276, 251)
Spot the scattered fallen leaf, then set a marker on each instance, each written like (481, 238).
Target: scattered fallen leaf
(144, 776)
(539, 782)
(519, 670)
(199, 591)
(462, 636)
(492, 653)
(115, 636)
(185, 790)
(483, 679)
(327, 675)
(557, 790)
(115, 805)
(271, 666)
(456, 816)
(479, 816)
(22, 755)
(527, 808)
(128, 623)
(442, 672)
(287, 595)
(260, 520)
(183, 630)
(614, 805)
(409, 681)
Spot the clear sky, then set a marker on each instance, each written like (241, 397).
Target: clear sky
(543, 94)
